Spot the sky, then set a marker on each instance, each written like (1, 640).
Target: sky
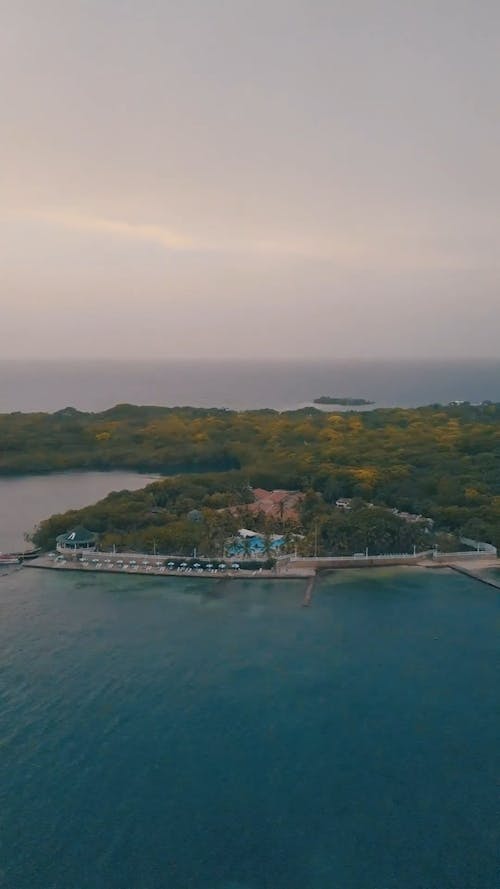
(249, 178)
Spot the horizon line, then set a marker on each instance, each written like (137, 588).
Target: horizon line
(268, 359)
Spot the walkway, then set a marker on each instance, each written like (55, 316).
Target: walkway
(488, 581)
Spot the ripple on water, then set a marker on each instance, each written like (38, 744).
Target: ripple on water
(155, 734)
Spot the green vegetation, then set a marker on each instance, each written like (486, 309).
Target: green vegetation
(440, 462)
(333, 399)
(159, 517)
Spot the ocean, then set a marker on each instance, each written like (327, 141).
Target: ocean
(185, 734)
(176, 733)
(285, 385)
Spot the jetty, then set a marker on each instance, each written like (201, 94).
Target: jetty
(488, 581)
(307, 600)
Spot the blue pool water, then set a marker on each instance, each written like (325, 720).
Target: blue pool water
(186, 734)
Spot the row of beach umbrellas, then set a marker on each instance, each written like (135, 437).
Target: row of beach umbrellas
(208, 566)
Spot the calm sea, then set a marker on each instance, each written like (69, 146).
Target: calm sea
(168, 733)
(181, 734)
(49, 386)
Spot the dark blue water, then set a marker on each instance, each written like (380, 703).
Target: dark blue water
(49, 386)
(175, 733)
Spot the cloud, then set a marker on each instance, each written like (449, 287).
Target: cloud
(346, 248)
(268, 245)
(155, 234)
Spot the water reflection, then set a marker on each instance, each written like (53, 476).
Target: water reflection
(27, 500)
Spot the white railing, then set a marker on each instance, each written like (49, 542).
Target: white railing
(464, 555)
(479, 546)
(362, 557)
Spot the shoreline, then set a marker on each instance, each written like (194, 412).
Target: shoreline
(147, 568)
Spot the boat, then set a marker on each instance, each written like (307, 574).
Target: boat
(8, 559)
(28, 553)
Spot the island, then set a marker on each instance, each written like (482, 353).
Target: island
(389, 480)
(334, 399)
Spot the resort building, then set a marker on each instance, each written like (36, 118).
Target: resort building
(344, 503)
(413, 518)
(77, 540)
(278, 504)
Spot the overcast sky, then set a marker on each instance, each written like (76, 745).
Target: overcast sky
(249, 178)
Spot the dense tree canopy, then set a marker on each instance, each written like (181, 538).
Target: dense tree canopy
(442, 462)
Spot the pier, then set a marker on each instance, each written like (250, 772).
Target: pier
(488, 581)
(307, 600)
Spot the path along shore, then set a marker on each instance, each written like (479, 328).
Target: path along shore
(138, 563)
(479, 564)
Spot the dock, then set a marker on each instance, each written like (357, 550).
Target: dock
(488, 581)
(307, 600)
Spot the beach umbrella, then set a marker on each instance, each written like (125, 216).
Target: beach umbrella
(235, 565)
(222, 565)
(158, 564)
(184, 564)
(209, 566)
(171, 564)
(133, 562)
(196, 565)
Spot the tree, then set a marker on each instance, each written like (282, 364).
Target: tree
(247, 548)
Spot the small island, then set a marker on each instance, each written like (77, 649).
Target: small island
(333, 399)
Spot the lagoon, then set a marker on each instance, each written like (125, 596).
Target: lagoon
(26, 500)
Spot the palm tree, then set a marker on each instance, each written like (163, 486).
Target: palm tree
(268, 546)
(281, 510)
(247, 548)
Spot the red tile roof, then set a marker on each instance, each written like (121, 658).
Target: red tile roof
(277, 504)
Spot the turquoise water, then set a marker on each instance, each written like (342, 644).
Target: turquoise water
(190, 735)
